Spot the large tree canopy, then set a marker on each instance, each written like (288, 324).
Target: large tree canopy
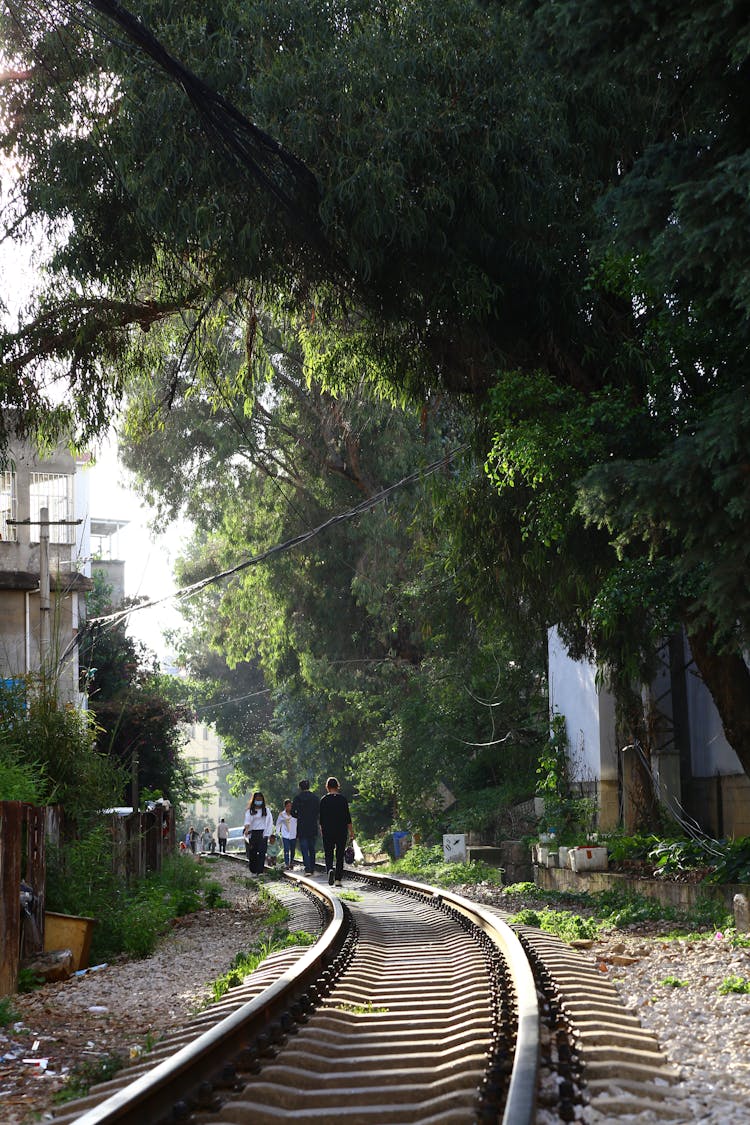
(372, 668)
(429, 197)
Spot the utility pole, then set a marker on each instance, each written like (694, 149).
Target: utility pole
(135, 795)
(44, 629)
(44, 523)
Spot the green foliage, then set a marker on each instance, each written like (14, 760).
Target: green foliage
(467, 210)
(247, 961)
(86, 1074)
(130, 920)
(428, 865)
(569, 817)
(8, 1013)
(673, 982)
(48, 751)
(733, 866)
(719, 861)
(567, 926)
(734, 984)
(134, 705)
(275, 914)
(28, 981)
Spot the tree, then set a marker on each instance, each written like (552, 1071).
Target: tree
(455, 200)
(368, 661)
(137, 715)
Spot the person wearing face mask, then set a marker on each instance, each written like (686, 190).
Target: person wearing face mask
(258, 827)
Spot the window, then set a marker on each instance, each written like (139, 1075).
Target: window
(7, 504)
(53, 491)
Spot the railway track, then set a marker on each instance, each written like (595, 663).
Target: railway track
(413, 1006)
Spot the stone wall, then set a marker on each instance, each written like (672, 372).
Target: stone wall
(682, 896)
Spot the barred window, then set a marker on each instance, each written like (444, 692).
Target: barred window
(53, 491)
(7, 504)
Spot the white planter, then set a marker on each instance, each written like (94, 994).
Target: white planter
(588, 858)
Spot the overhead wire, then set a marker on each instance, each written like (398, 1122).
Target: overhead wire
(199, 93)
(288, 544)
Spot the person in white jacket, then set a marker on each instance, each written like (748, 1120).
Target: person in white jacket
(257, 828)
(286, 827)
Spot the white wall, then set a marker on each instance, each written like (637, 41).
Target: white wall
(574, 694)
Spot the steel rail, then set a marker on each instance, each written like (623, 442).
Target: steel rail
(520, 1105)
(203, 1059)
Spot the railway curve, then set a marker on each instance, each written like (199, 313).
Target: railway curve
(414, 1005)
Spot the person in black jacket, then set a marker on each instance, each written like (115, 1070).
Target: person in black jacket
(336, 829)
(305, 808)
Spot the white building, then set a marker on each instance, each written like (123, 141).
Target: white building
(695, 771)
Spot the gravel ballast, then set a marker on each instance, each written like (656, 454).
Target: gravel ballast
(128, 1005)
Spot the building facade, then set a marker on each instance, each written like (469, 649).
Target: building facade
(688, 763)
(43, 584)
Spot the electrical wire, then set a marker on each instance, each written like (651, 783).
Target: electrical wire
(187, 592)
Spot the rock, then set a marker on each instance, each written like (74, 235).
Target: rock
(620, 959)
(55, 965)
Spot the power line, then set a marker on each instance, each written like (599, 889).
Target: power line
(296, 541)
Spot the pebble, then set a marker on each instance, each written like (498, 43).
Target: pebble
(704, 1034)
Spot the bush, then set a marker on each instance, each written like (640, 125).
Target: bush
(428, 864)
(130, 920)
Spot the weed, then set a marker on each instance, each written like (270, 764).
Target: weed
(213, 896)
(87, 1074)
(740, 985)
(28, 981)
(428, 864)
(365, 1009)
(8, 1013)
(350, 896)
(246, 963)
(274, 912)
(673, 982)
(244, 881)
(569, 927)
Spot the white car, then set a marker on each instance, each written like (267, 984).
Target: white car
(235, 840)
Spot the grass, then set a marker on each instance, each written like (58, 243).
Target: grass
(566, 925)
(365, 1009)
(734, 984)
(428, 865)
(620, 909)
(246, 962)
(87, 1074)
(275, 914)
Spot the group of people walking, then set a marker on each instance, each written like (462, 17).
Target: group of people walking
(298, 823)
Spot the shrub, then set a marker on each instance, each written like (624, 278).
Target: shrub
(740, 985)
(8, 1013)
(80, 880)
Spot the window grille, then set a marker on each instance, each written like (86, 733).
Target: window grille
(53, 491)
(8, 505)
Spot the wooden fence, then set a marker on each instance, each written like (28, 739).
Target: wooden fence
(23, 829)
(141, 840)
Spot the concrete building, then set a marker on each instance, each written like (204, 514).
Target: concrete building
(104, 553)
(42, 582)
(204, 752)
(695, 771)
